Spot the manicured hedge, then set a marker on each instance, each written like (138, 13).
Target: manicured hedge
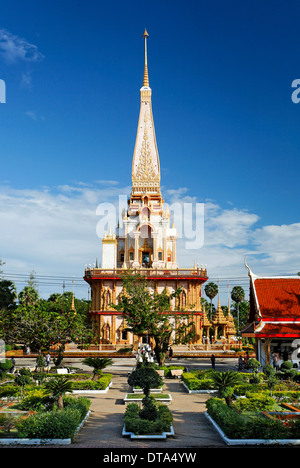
(99, 384)
(133, 422)
(193, 383)
(55, 424)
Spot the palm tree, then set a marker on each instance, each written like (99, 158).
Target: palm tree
(211, 290)
(57, 388)
(238, 295)
(224, 383)
(97, 364)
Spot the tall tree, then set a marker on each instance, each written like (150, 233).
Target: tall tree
(8, 295)
(211, 290)
(238, 295)
(149, 312)
(40, 327)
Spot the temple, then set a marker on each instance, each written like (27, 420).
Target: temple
(146, 243)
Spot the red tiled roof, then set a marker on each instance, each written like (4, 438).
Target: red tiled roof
(287, 330)
(278, 298)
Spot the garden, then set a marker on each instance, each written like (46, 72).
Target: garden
(252, 407)
(38, 406)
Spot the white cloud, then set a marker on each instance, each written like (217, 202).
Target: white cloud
(14, 48)
(53, 231)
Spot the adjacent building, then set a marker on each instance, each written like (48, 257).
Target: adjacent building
(274, 317)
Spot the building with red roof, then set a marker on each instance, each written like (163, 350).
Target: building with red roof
(274, 317)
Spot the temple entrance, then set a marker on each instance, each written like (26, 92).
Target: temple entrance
(146, 259)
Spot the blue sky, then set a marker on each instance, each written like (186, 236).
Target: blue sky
(226, 127)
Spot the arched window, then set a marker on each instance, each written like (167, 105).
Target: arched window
(107, 298)
(183, 299)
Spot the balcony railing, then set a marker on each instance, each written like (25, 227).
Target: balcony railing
(153, 272)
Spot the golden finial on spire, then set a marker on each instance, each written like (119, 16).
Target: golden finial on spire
(146, 77)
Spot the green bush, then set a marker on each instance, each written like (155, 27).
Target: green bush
(35, 400)
(51, 425)
(269, 370)
(82, 404)
(194, 383)
(135, 423)
(256, 402)
(5, 367)
(146, 378)
(55, 424)
(99, 384)
(9, 391)
(286, 365)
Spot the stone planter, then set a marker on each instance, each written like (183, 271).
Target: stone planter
(91, 392)
(132, 435)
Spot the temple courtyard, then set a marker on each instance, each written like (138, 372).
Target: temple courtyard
(103, 428)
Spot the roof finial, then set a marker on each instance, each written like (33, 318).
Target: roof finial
(146, 77)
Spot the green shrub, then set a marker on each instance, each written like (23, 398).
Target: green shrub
(82, 404)
(99, 384)
(52, 425)
(256, 402)
(134, 422)
(55, 424)
(194, 383)
(146, 378)
(286, 365)
(269, 370)
(35, 400)
(149, 410)
(5, 367)
(9, 391)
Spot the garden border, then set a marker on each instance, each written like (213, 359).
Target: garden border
(250, 441)
(163, 435)
(91, 391)
(197, 391)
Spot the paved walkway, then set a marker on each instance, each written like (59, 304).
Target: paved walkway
(104, 425)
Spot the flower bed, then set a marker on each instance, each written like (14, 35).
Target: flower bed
(246, 428)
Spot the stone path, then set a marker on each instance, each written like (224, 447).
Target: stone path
(104, 425)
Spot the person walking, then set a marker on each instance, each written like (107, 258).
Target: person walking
(48, 358)
(170, 353)
(213, 361)
(12, 370)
